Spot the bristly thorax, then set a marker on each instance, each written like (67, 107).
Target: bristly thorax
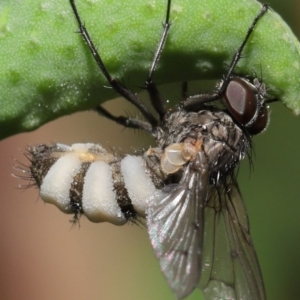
(224, 143)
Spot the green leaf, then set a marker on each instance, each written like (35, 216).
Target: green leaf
(47, 71)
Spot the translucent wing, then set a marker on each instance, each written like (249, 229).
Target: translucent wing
(230, 269)
(175, 226)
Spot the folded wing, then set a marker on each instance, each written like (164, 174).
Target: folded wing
(230, 269)
(175, 226)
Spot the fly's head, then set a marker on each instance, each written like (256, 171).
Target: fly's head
(246, 102)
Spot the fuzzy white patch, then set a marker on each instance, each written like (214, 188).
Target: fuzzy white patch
(80, 147)
(63, 147)
(55, 188)
(86, 147)
(137, 182)
(99, 198)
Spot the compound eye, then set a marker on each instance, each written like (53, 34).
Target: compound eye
(240, 99)
(261, 121)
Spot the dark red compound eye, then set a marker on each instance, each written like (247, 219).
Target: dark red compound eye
(241, 98)
(261, 121)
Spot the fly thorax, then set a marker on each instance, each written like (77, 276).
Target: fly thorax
(212, 132)
(225, 144)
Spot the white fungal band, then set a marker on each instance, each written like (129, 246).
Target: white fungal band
(55, 188)
(137, 182)
(99, 199)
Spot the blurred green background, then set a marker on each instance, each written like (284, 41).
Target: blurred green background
(42, 257)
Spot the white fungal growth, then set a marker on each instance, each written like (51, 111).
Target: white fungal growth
(99, 199)
(55, 188)
(137, 182)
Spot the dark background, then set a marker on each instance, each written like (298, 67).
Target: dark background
(43, 258)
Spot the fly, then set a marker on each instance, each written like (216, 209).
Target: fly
(185, 187)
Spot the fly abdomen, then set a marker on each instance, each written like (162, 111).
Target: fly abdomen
(86, 179)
